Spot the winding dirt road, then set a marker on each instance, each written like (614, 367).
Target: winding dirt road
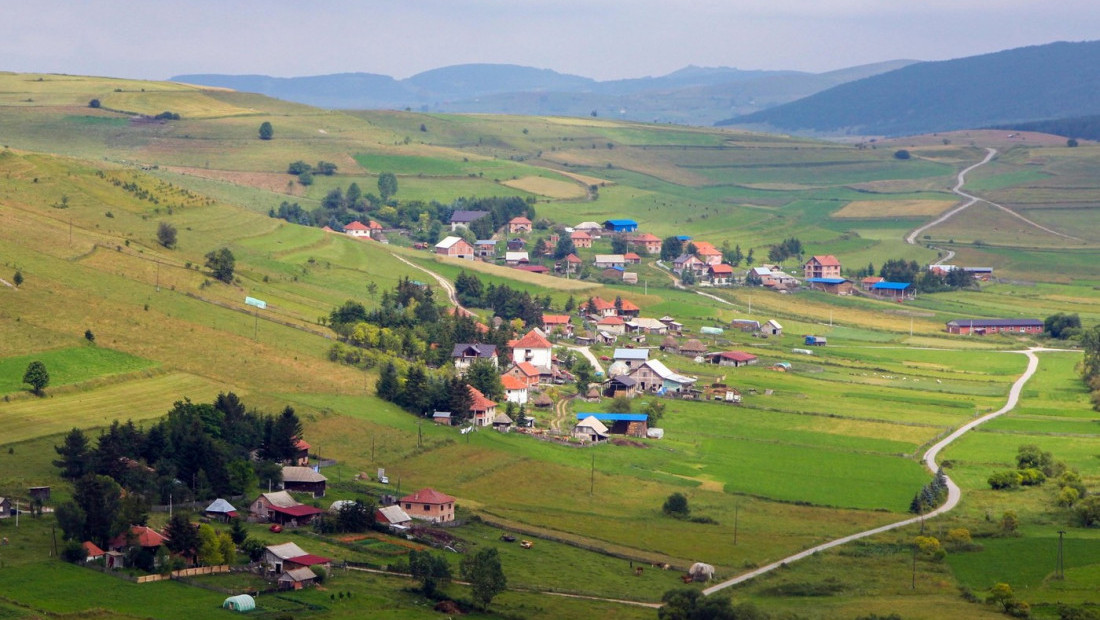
(971, 199)
(954, 494)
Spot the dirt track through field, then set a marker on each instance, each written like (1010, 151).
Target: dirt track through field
(960, 180)
(954, 494)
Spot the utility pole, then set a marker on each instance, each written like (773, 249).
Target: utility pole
(372, 448)
(592, 478)
(158, 275)
(736, 511)
(1061, 558)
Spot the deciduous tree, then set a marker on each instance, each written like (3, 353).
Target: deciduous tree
(266, 130)
(37, 376)
(485, 574)
(166, 235)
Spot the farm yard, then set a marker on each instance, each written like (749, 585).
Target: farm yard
(828, 447)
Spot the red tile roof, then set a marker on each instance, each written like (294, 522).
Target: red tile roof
(631, 256)
(373, 225)
(721, 268)
(531, 340)
(512, 383)
(826, 260)
(645, 238)
(706, 248)
(610, 320)
(599, 305)
(428, 496)
(302, 445)
(519, 220)
(573, 258)
(478, 401)
(92, 550)
(629, 306)
(579, 234)
(356, 225)
(143, 536)
(739, 356)
(528, 369)
(328, 229)
(555, 319)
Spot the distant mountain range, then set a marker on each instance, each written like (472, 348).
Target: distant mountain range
(693, 95)
(1054, 81)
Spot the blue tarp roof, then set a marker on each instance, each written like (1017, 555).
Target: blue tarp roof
(827, 280)
(615, 417)
(892, 286)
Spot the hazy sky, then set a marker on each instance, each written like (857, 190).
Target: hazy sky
(602, 39)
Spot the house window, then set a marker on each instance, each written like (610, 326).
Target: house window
(427, 507)
(408, 506)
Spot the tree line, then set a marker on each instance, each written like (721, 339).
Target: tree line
(199, 451)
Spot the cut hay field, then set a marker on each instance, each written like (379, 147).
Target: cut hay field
(892, 208)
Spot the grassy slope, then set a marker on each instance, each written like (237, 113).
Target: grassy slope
(670, 178)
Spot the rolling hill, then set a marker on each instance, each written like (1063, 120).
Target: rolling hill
(1024, 84)
(692, 95)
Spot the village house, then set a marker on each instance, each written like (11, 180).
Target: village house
(869, 282)
(653, 376)
(632, 259)
(485, 248)
(463, 219)
(137, 536)
(482, 409)
(515, 389)
(614, 325)
(392, 517)
(731, 358)
(557, 324)
(534, 349)
(279, 507)
(648, 241)
(674, 326)
(628, 308)
(92, 552)
(357, 230)
(590, 430)
(605, 261)
(516, 258)
(621, 385)
(297, 578)
(631, 358)
(707, 253)
(646, 326)
(688, 262)
(519, 225)
(526, 372)
(580, 239)
(982, 327)
(304, 480)
(465, 354)
(720, 274)
(429, 505)
(620, 226)
(289, 556)
(822, 266)
(220, 510)
(599, 307)
(630, 424)
(570, 264)
(455, 247)
(893, 290)
(835, 286)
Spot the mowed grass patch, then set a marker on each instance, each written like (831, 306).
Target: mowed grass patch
(1025, 562)
(551, 188)
(892, 208)
(137, 399)
(70, 365)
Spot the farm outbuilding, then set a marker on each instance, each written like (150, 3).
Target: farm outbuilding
(240, 602)
(701, 572)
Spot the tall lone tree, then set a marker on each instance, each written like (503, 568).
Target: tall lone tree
(485, 575)
(166, 235)
(266, 130)
(221, 264)
(37, 376)
(387, 185)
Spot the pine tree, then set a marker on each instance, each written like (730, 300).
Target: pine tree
(388, 387)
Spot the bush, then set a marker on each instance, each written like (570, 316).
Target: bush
(1032, 477)
(1007, 479)
(676, 506)
(901, 154)
(94, 103)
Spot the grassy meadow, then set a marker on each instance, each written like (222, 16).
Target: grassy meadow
(829, 448)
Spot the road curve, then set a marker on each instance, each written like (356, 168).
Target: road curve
(929, 459)
(960, 180)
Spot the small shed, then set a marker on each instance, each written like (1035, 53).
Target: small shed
(542, 400)
(296, 578)
(221, 510)
(693, 347)
(240, 602)
(502, 422)
(442, 417)
(590, 429)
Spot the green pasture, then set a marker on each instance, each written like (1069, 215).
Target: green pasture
(68, 366)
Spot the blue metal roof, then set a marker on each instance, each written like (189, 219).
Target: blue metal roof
(892, 286)
(615, 417)
(684, 237)
(827, 280)
(621, 222)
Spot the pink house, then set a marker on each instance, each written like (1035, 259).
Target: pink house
(455, 247)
